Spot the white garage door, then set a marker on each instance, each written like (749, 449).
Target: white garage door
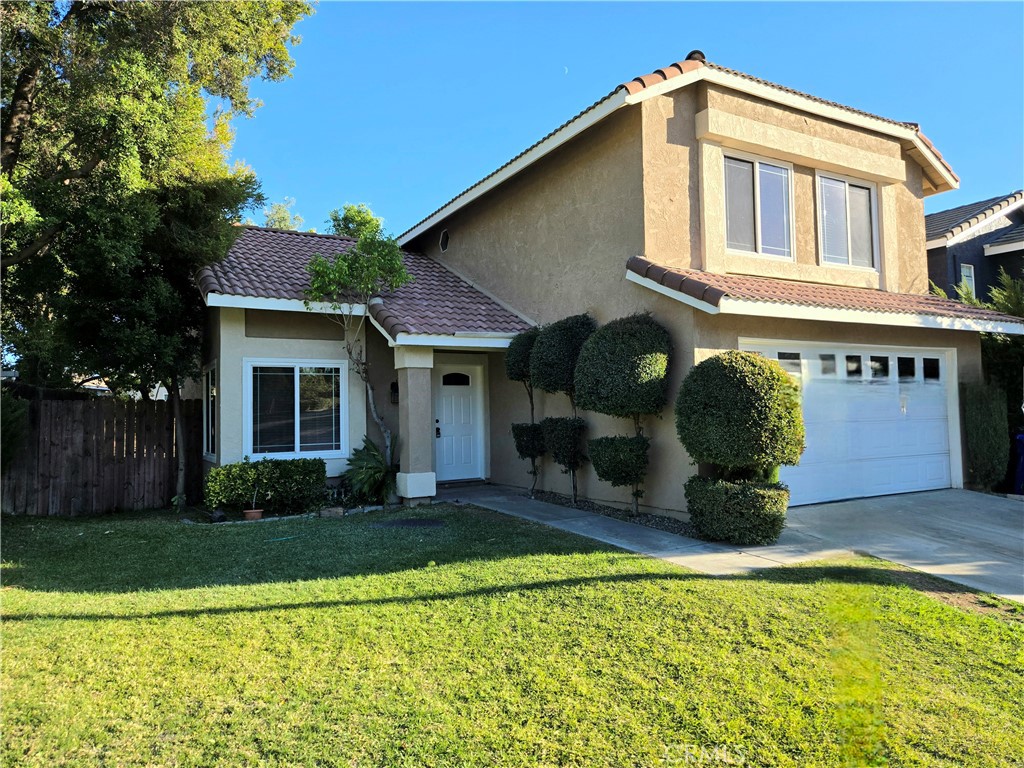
(876, 419)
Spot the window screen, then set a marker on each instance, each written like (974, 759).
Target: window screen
(739, 204)
(319, 409)
(273, 410)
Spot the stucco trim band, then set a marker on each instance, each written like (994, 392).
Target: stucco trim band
(752, 136)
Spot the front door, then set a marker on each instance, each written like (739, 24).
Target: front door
(458, 422)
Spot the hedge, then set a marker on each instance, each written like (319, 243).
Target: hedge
(744, 513)
(529, 439)
(517, 356)
(740, 411)
(281, 486)
(622, 368)
(620, 460)
(554, 356)
(986, 434)
(563, 438)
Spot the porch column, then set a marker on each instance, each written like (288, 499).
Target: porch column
(416, 480)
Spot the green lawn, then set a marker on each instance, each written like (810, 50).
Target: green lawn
(486, 641)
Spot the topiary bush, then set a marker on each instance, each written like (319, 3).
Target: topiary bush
(555, 352)
(563, 437)
(740, 412)
(620, 460)
(622, 368)
(517, 356)
(280, 486)
(529, 439)
(745, 513)
(986, 434)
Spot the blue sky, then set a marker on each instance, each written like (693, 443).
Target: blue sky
(402, 106)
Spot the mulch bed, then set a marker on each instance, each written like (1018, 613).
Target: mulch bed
(660, 522)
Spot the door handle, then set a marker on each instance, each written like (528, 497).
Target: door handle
(437, 431)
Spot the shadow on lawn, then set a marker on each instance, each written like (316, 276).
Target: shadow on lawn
(808, 576)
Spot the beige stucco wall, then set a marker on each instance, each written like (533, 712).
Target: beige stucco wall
(684, 209)
(288, 335)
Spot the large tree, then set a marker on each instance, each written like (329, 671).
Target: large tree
(115, 178)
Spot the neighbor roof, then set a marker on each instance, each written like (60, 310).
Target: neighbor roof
(713, 289)
(271, 264)
(920, 147)
(953, 221)
(1009, 235)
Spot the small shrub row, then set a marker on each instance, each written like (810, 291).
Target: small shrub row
(280, 486)
(743, 513)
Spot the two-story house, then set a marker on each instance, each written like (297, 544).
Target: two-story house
(741, 214)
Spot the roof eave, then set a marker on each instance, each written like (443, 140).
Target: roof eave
(727, 305)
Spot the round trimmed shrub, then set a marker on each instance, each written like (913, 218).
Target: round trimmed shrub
(620, 460)
(623, 366)
(529, 439)
(743, 513)
(563, 438)
(517, 356)
(555, 352)
(739, 411)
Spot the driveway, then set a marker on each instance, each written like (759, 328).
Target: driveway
(967, 537)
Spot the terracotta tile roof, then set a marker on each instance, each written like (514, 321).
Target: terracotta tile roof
(641, 82)
(953, 221)
(271, 263)
(711, 288)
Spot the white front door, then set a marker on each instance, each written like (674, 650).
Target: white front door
(877, 419)
(458, 422)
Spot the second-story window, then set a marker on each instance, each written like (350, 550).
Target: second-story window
(758, 214)
(847, 221)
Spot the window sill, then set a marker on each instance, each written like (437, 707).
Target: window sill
(757, 255)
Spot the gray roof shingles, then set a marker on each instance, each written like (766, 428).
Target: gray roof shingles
(1009, 235)
(271, 263)
(945, 222)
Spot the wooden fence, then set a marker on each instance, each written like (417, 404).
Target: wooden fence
(93, 456)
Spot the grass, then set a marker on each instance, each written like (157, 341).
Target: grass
(485, 641)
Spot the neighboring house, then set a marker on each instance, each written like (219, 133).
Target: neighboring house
(969, 244)
(739, 213)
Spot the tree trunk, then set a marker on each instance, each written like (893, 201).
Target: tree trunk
(174, 395)
(379, 421)
(17, 119)
(572, 473)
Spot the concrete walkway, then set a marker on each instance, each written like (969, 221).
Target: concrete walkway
(714, 559)
(968, 538)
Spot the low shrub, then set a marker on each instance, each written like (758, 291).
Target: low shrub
(529, 439)
(368, 474)
(744, 513)
(620, 460)
(563, 437)
(280, 486)
(986, 433)
(740, 412)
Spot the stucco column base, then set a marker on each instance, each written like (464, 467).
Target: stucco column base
(416, 485)
(416, 480)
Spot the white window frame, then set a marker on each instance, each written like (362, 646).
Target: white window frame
(967, 278)
(876, 243)
(728, 153)
(207, 370)
(249, 363)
